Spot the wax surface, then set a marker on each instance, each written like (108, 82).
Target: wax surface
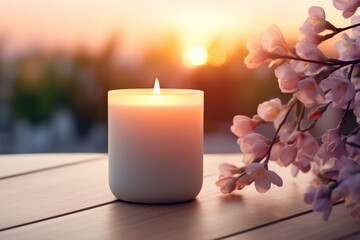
(156, 150)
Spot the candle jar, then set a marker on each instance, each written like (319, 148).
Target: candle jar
(155, 144)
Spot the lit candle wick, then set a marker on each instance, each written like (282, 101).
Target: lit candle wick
(157, 87)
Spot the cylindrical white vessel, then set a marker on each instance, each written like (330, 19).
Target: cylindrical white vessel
(155, 144)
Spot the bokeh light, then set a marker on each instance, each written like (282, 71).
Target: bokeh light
(195, 56)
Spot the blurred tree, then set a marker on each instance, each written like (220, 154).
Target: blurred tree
(36, 94)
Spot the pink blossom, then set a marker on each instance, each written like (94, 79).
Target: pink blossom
(320, 200)
(299, 150)
(244, 181)
(288, 155)
(304, 45)
(338, 164)
(347, 182)
(316, 23)
(330, 173)
(352, 187)
(354, 152)
(228, 169)
(309, 51)
(226, 184)
(347, 168)
(230, 183)
(257, 54)
(303, 163)
(356, 30)
(316, 55)
(332, 145)
(269, 110)
(308, 42)
(281, 116)
(286, 131)
(276, 62)
(262, 177)
(310, 93)
(288, 78)
(339, 192)
(272, 111)
(243, 125)
(276, 151)
(284, 134)
(341, 89)
(348, 7)
(356, 81)
(304, 141)
(253, 146)
(348, 48)
(313, 40)
(336, 148)
(273, 40)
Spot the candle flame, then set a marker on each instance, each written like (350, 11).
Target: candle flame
(157, 87)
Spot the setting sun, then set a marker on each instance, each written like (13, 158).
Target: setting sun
(195, 56)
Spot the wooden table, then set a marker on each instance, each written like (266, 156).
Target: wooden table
(66, 196)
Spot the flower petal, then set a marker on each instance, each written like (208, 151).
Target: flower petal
(263, 185)
(275, 179)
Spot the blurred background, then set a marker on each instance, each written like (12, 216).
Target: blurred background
(58, 59)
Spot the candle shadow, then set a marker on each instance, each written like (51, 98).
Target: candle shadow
(158, 204)
(126, 220)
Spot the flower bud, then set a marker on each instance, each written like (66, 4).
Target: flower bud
(317, 113)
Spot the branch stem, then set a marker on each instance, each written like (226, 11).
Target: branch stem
(277, 132)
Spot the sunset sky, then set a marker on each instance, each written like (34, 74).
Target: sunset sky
(67, 24)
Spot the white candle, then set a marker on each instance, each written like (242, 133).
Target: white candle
(155, 144)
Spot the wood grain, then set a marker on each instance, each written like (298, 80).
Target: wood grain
(57, 191)
(211, 215)
(43, 194)
(309, 226)
(17, 164)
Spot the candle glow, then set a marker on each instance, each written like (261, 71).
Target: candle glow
(156, 87)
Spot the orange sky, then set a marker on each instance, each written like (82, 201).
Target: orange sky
(53, 23)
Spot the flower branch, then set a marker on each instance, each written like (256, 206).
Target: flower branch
(278, 130)
(315, 82)
(339, 30)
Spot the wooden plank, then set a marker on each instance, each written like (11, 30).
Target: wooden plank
(17, 164)
(309, 226)
(211, 215)
(56, 191)
(61, 190)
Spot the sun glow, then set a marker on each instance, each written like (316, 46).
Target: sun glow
(217, 57)
(195, 56)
